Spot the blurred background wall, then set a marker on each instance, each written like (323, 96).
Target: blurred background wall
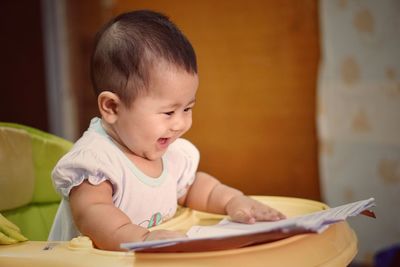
(23, 96)
(262, 89)
(359, 114)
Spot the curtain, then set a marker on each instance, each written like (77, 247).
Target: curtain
(359, 114)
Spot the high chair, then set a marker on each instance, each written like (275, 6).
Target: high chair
(28, 199)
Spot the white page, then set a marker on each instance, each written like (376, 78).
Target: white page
(316, 222)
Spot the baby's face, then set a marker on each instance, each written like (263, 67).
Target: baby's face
(158, 118)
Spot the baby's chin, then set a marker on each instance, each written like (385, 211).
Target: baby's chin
(154, 156)
(159, 150)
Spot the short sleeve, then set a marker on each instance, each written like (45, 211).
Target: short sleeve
(79, 165)
(183, 159)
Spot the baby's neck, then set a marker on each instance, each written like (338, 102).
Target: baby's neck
(151, 168)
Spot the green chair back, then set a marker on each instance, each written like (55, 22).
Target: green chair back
(27, 196)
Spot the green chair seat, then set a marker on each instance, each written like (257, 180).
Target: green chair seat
(27, 196)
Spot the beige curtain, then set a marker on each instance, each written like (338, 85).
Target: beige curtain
(359, 114)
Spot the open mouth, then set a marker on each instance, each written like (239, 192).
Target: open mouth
(163, 141)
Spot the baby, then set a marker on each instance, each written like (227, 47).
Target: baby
(130, 169)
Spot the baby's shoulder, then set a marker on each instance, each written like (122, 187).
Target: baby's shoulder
(90, 148)
(183, 147)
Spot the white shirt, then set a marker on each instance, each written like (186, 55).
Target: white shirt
(146, 201)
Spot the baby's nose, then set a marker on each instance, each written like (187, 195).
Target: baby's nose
(178, 123)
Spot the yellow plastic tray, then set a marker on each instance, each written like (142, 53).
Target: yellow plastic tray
(336, 246)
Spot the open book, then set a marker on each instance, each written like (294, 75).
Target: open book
(230, 235)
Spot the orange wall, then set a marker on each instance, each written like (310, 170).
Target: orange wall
(254, 120)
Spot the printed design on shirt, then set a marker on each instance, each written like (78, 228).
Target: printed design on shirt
(156, 219)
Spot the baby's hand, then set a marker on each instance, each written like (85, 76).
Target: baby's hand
(247, 210)
(163, 234)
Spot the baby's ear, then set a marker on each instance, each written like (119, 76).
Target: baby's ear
(108, 103)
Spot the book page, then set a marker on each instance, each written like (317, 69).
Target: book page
(314, 222)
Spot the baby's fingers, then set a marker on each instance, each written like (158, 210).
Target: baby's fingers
(243, 217)
(268, 214)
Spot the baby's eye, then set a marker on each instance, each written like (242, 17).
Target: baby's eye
(169, 113)
(188, 109)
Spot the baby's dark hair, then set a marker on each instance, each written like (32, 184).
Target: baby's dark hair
(130, 45)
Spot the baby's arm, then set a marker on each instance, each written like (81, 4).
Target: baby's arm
(96, 217)
(208, 194)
